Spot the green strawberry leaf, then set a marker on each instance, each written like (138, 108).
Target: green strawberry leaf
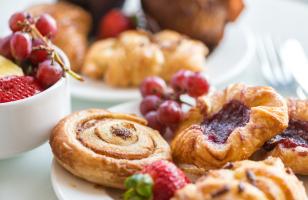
(139, 187)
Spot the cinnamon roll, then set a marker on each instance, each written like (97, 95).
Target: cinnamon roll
(228, 125)
(105, 148)
(246, 180)
(292, 144)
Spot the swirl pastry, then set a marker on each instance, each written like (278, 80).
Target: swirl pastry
(246, 180)
(292, 144)
(125, 61)
(105, 148)
(228, 125)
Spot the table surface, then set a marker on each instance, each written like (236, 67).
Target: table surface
(27, 177)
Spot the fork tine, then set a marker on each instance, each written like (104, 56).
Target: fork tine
(284, 72)
(265, 65)
(274, 60)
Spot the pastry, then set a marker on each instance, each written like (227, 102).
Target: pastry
(179, 53)
(228, 125)
(105, 148)
(246, 180)
(292, 144)
(200, 19)
(74, 24)
(125, 61)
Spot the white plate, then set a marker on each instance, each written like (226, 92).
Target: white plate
(222, 65)
(68, 187)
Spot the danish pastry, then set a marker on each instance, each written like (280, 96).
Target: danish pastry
(292, 144)
(246, 180)
(228, 125)
(105, 148)
(134, 55)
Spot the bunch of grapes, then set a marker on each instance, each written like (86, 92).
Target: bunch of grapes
(162, 105)
(29, 45)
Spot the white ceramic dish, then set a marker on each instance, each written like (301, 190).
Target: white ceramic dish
(26, 124)
(222, 65)
(67, 186)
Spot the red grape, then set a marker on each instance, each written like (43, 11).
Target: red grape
(20, 45)
(149, 103)
(169, 112)
(153, 122)
(17, 18)
(5, 47)
(178, 81)
(49, 73)
(38, 55)
(153, 86)
(47, 25)
(197, 85)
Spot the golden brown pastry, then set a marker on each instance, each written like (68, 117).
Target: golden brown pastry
(74, 24)
(246, 180)
(292, 144)
(204, 20)
(105, 148)
(228, 125)
(125, 61)
(180, 53)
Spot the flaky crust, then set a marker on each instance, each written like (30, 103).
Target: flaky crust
(246, 180)
(105, 148)
(295, 158)
(125, 61)
(74, 24)
(193, 151)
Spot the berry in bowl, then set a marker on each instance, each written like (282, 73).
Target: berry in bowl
(34, 92)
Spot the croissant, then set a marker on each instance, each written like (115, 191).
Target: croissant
(125, 61)
(246, 180)
(292, 144)
(228, 125)
(105, 148)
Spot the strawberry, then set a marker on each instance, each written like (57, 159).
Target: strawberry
(158, 181)
(13, 88)
(114, 23)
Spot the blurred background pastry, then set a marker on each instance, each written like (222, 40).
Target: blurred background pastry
(97, 8)
(125, 61)
(74, 24)
(204, 20)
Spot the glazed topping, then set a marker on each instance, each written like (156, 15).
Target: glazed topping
(233, 115)
(295, 135)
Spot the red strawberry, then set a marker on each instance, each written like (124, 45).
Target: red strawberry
(14, 88)
(158, 181)
(114, 23)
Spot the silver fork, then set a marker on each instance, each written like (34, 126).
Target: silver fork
(274, 72)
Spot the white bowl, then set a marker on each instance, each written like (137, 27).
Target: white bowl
(27, 123)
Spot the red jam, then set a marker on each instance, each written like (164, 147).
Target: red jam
(295, 135)
(233, 115)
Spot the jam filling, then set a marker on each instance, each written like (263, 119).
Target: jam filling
(295, 135)
(233, 115)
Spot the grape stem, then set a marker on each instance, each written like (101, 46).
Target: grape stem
(55, 56)
(186, 103)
